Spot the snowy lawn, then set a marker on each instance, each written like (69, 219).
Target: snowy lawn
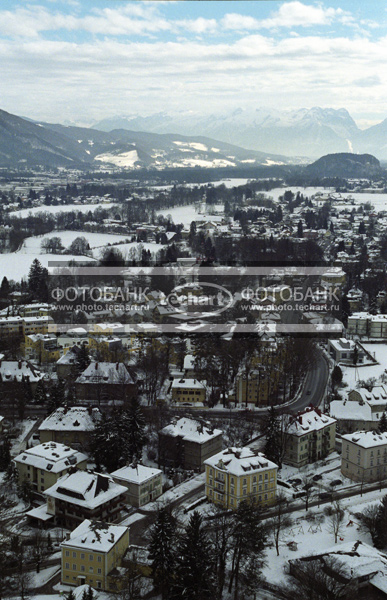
(83, 208)
(351, 376)
(40, 579)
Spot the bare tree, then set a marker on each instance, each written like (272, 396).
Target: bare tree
(336, 516)
(307, 486)
(280, 521)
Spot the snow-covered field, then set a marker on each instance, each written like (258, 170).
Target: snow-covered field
(32, 245)
(83, 208)
(16, 266)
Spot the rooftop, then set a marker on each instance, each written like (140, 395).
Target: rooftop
(191, 430)
(51, 456)
(86, 489)
(97, 536)
(366, 439)
(238, 461)
(136, 473)
(78, 418)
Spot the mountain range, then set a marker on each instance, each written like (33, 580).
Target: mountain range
(304, 132)
(27, 143)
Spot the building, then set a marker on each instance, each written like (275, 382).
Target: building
(189, 391)
(187, 443)
(41, 347)
(364, 456)
(355, 563)
(104, 382)
(92, 554)
(362, 410)
(43, 465)
(84, 495)
(144, 484)
(343, 351)
(365, 324)
(66, 364)
(240, 474)
(310, 436)
(15, 372)
(70, 426)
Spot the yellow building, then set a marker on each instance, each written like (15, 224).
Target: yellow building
(38, 325)
(240, 474)
(188, 390)
(43, 465)
(92, 555)
(42, 348)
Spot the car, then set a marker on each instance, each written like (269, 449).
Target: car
(317, 477)
(299, 494)
(296, 481)
(336, 482)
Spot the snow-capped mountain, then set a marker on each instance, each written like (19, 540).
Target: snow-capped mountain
(304, 132)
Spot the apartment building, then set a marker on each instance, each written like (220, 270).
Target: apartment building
(144, 484)
(43, 465)
(361, 410)
(93, 554)
(365, 324)
(104, 381)
(364, 456)
(187, 443)
(343, 351)
(310, 436)
(41, 347)
(70, 426)
(240, 474)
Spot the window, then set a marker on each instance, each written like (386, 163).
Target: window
(244, 482)
(82, 556)
(74, 555)
(91, 570)
(67, 565)
(83, 568)
(232, 480)
(67, 553)
(91, 557)
(99, 558)
(99, 571)
(74, 567)
(99, 585)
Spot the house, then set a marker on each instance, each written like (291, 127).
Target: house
(41, 347)
(240, 474)
(93, 554)
(364, 456)
(84, 495)
(143, 484)
(343, 351)
(105, 381)
(188, 443)
(15, 372)
(361, 410)
(365, 324)
(310, 436)
(190, 391)
(65, 364)
(358, 563)
(72, 426)
(44, 464)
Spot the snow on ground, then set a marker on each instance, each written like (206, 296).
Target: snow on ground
(16, 265)
(125, 159)
(18, 444)
(40, 579)
(83, 208)
(125, 249)
(32, 245)
(351, 376)
(132, 519)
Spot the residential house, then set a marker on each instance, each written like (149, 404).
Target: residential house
(105, 381)
(361, 410)
(70, 426)
(240, 474)
(18, 372)
(144, 484)
(44, 464)
(84, 495)
(343, 351)
(310, 436)
(188, 391)
(41, 347)
(92, 555)
(188, 443)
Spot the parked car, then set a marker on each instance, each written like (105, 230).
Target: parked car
(326, 496)
(317, 477)
(336, 482)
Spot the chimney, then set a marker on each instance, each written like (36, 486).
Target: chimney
(96, 366)
(117, 365)
(89, 410)
(19, 364)
(67, 535)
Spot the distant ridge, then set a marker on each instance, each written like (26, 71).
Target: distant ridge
(344, 165)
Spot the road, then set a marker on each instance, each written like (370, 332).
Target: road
(316, 382)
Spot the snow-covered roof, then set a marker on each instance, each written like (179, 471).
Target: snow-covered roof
(86, 489)
(51, 456)
(309, 420)
(188, 384)
(78, 418)
(136, 473)
(357, 559)
(342, 344)
(377, 396)
(351, 411)
(100, 537)
(366, 439)
(189, 362)
(239, 461)
(105, 372)
(18, 370)
(192, 431)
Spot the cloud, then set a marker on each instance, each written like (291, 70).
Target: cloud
(367, 81)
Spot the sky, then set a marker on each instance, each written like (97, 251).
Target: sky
(79, 61)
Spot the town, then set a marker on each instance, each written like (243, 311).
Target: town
(193, 387)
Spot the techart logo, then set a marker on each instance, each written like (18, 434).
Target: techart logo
(198, 301)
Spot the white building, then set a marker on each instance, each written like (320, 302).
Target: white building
(364, 456)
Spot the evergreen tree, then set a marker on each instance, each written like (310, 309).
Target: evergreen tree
(136, 429)
(82, 359)
(37, 281)
(70, 595)
(383, 423)
(162, 552)
(40, 396)
(5, 454)
(194, 578)
(57, 395)
(273, 430)
(300, 230)
(4, 288)
(337, 376)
